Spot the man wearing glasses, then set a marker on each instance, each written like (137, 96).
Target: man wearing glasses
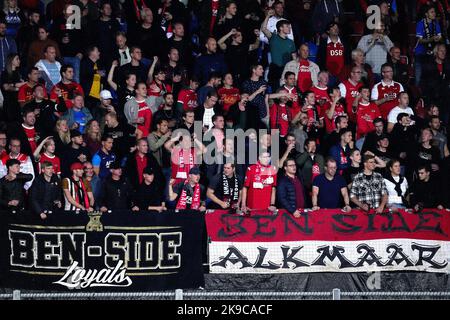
(368, 189)
(26, 165)
(349, 90)
(290, 191)
(385, 93)
(94, 180)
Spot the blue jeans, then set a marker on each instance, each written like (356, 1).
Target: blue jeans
(419, 60)
(75, 63)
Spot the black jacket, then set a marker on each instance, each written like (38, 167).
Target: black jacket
(435, 87)
(15, 130)
(46, 121)
(286, 196)
(400, 72)
(44, 194)
(131, 169)
(148, 195)
(402, 140)
(13, 190)
(87, 74)
(75, 45)
(429, 194)
(116, 194)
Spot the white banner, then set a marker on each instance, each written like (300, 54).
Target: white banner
(326, 256)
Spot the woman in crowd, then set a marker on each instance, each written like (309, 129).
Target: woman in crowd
(92, 136)
(11, 81)
(62, 136)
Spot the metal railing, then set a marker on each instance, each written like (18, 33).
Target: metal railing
(180, 294)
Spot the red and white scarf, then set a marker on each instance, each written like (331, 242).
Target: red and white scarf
(195, 202)
(81, 196)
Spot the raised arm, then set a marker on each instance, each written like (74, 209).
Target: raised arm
(152, 70)
(112, 84)
(222, 40)
(264, 29)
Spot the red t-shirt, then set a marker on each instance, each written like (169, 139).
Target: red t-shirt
(321, 94)
(25, 93)
(158, 90)
(54, 160)
(260, 180)
(304, 81)
(31, 136)
(228, 98)
(365, 115)
(382, 90)
(280, 112)
(335, 58)
(349, 91)
(146, 113)
(339, 110)
(295, 104)
(67, 91)
(188, 99)
(141, 165)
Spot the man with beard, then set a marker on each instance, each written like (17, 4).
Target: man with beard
(67, 86)
(225, 189)
(47, 111)
(188, 194)
(25, 131)
(167, 112)
(123, 134)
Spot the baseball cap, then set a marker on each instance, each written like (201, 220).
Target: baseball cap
(105, 94)
(75, 133)
(194, 170)
(76, 166)
(148, 170)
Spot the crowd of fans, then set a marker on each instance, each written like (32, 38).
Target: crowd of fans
(92, 100)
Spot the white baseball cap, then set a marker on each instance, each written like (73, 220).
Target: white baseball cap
(105, 94)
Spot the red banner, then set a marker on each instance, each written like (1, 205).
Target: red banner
(329, 225)
(329, 241)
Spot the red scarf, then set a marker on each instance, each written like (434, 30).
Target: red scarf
(181, 157)
(195, 204)
(138, 11)
(78, 195)
(315, 171)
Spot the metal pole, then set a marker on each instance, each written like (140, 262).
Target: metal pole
(179, 294)
(16, 295)
(336, 294)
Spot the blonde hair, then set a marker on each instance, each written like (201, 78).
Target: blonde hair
(89, 134)
(65, 136)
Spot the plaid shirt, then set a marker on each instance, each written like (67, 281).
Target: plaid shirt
(369, 191)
